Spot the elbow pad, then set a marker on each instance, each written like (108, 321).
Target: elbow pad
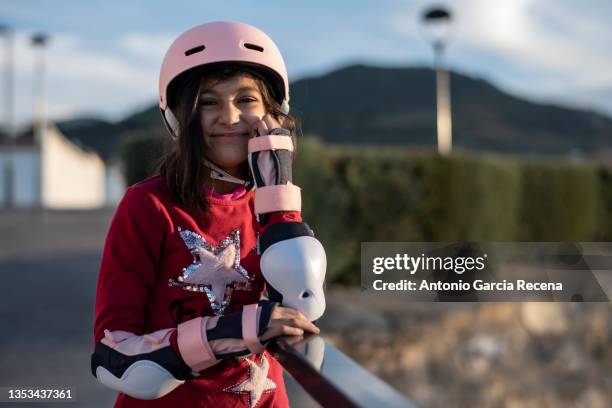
(146, 367)
(293, 263)
(143, 367)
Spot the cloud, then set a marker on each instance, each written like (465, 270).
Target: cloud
(80, 79)
(150, 47)
(543, 49)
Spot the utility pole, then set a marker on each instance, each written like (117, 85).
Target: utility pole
(39, 41)
(9, 113)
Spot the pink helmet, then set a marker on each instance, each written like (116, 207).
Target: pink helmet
(223, 42)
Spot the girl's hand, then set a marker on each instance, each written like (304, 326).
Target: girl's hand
(266, 124)
(262, 125)
(286, 321)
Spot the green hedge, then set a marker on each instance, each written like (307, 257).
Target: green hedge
(386, 195)
(352, 195)
(604, 218)
(560, 202)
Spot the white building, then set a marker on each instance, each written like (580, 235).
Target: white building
(55, 174)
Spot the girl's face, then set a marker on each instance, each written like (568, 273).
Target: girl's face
(228, 111)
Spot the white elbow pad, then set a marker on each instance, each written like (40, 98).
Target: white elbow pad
(295, 268)
(143, 367)
(143, 379)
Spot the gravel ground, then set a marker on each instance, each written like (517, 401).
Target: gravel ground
(479, 354)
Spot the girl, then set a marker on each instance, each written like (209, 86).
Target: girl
(179, 315)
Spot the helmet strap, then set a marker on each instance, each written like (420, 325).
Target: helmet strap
(285, 107)
(218, 173)
(172, 122)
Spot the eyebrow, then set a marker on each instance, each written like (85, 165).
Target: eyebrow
(241, 89)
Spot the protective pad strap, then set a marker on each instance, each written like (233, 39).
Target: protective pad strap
(270, 142)
(283, 197)
(249, 328)
(117, 363)
(193, 344)
(236, 334)
(282, 231)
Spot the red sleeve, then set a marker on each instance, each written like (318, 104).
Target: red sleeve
(129, 264)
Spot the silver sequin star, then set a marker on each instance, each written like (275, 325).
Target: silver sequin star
(215, 269)
(257, 383)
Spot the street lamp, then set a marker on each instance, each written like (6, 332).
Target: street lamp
(40, 87)
(9, 129)
(436, 25)
(39, 41)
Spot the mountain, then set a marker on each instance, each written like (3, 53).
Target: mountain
(367, 105)
(105, 137)
(95, 134)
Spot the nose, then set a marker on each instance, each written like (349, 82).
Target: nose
(229, 115)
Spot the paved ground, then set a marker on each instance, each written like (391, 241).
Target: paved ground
(49, 265)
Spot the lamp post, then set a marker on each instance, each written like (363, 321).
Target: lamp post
(40, 87)
(9, 167)
(39, 41)
(436, 24)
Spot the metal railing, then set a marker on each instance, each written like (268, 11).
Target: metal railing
(330, 377)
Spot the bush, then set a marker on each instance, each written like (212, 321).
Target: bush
(604, 215)
(466, 198)
(383, 195)
(560, 202)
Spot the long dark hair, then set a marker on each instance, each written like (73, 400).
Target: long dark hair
(182, 166)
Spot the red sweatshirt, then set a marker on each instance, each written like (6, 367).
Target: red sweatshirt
(145, 252)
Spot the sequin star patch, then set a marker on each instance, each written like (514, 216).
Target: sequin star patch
(257, 383)
(215, 269)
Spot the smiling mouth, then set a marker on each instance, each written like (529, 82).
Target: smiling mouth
(231, 134)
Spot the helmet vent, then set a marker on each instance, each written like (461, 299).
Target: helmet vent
(253, 47)
(194, 50)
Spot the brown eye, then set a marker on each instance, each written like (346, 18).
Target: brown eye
(206, 102)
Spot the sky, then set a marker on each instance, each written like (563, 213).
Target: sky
(103, 57)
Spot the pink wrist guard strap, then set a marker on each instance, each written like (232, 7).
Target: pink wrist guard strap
(193, 345)
(282, 197)
(270, 142)
(249, 328)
